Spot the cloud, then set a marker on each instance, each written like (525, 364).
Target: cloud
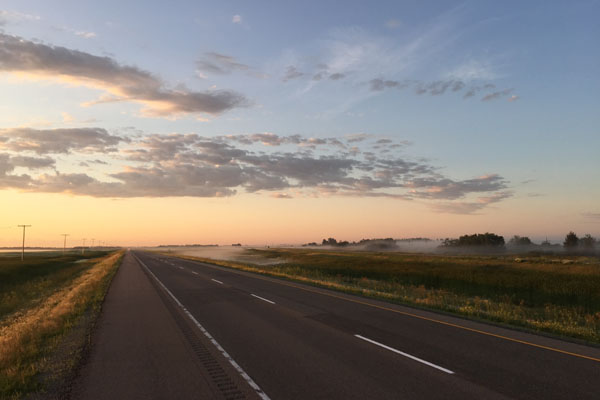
(48, 141)
(67, 118)
(292, 73)
(591, 216)
(514, 97)
(336, 76)
(16, 17)
(357, 137)
(446, 188)
(199, 166)
(281, 196)
(468, 208)
(9, 163)
(496, 95)
(221, 64)
(236, 19)
(439, 87)
(473, 90)
(122, 83)
(380, 84)
(474, 70)
(32, 162)
(85, 34)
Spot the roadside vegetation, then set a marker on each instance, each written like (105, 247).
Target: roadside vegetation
(558, 294)
(41, 300)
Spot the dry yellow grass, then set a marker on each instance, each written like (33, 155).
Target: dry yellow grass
(25, 337)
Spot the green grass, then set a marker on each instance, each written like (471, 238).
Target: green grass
(546, 294)
(46, 296)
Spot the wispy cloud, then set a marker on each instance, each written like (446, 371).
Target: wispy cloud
(497, 95)
(7, 17)
(85, 34)
(292, 72)
(474, 70)
(217, 63)
(470, 207)
(378, 63)
(591, 216)
(123, 83)
(236, 19)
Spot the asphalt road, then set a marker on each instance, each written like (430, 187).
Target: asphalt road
(282, 340)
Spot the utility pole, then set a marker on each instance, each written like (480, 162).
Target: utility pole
(92, 244)
(83, 247)
(23, 251)
(65, 242)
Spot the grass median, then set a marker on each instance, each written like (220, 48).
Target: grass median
(554, 294)
(41, 300)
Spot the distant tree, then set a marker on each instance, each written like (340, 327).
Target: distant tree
(520, 241)
(449, 242)
(477, 239)
(588, 241)
(571, 240)
(481, 239)
(329, 242)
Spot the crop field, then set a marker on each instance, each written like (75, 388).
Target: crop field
(554, 294)
(41, 300)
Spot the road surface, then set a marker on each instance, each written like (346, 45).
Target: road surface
(167, 321)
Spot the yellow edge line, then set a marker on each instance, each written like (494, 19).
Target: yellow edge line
(420, 317)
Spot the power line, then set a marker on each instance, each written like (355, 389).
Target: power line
(23, 250)
(65, 242)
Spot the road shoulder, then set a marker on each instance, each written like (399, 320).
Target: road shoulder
(144, 347)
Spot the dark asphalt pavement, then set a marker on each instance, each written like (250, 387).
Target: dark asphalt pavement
(300, 342)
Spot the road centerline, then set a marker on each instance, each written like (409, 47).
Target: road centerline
(405, 354)
(219, 282)
(262, 298)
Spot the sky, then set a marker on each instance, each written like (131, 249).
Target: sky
(147, 122)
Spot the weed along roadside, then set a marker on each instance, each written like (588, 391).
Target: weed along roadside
(534, 293)
(44, 302)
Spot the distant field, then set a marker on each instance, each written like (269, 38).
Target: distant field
(41, 299)
(555, 294)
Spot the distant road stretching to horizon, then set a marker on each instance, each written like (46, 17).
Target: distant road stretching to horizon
(174, 328)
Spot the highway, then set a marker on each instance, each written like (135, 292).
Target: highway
(283, 340)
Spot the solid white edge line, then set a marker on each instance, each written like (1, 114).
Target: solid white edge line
(219, 282)
(235, 365)
(262, 298)
(405, 354)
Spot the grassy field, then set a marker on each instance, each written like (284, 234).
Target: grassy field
(559, 295)
(41, 299)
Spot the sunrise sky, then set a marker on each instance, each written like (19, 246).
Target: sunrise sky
(146, 122)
